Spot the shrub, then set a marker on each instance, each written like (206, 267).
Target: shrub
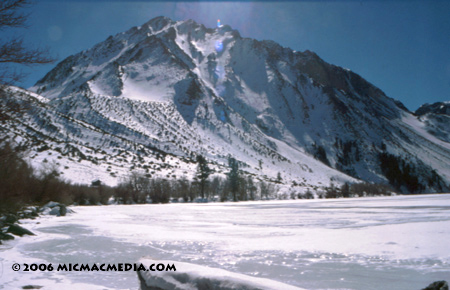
(16, 179)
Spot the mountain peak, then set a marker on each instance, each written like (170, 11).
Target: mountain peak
(160, 22)
(442, 108)
(236, 97)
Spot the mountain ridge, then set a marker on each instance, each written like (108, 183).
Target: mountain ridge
(166, 83)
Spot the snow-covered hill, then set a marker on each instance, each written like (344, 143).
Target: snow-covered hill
(153, 97)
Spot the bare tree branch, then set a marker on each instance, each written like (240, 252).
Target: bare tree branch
(10, 76)
(9, 14)
(14, 51)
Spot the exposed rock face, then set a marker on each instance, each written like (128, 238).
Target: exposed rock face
(438, 285)
(436, 118)
(442, 108)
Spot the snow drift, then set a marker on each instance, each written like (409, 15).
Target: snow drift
(191, 277)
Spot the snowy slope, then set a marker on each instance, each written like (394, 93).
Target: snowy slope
(85, 152)
(184, 89)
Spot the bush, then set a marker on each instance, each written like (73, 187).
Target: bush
(160, 191)
(16, 179)
(138, 188)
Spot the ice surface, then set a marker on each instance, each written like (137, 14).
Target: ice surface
(368, 243)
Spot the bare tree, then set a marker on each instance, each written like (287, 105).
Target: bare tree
(14, 50)
(251, 188)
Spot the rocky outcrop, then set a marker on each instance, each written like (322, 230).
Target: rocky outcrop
(55, 208)
(5, 237)
(442, 108)
(18, 230)
(165, 274)
(438, 285)
(9, 226)
(32, 287)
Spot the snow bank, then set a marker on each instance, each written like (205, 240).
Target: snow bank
(191, 276)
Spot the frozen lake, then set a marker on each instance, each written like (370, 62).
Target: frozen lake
(397, 243)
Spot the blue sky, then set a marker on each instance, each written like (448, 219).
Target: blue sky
(402, 47)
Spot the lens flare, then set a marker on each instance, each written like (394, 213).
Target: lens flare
(219, 46)
(218, 22)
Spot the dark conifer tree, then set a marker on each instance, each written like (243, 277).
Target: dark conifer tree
(203, 172)
(233, 177)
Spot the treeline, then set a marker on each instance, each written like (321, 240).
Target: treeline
(140, 189)
(356, 190)
(332, 191)
(21, 185)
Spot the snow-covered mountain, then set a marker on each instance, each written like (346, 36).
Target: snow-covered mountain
(436, 118)
(153, 97)
(442, 108)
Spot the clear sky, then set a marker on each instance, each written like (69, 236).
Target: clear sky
(402, 47)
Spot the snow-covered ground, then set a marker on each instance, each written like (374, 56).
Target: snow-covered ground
(367, 243)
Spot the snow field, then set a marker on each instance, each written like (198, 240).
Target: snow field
(367, 243)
